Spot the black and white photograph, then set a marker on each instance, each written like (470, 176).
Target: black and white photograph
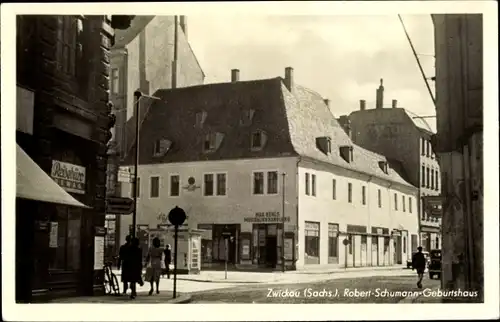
(234, 153)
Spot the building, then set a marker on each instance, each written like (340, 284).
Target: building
(459, 145)
(63, 121)
(404, 136)
(152, 54)
(247, 156)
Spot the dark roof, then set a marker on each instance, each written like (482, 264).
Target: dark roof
(419, 122)
(291, 121)
(124, 37)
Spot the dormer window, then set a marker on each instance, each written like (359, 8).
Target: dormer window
(346, 152)
(161, 147)
(212, 141)
(258, 140)
(247, 117)
(200, 119)
(383, 166)
(324, 144)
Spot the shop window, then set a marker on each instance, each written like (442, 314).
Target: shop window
(312, 242)
(333, 243)
(258, 183)
(349, 192)
(350, 239)
(395, 201)
(363, 195)
(313, 184)
(307, 185)
(364, 242)
(334, 189)
(272, 182)
(379, 198)
(154, 187)
(404, 245)
(64, 239)
(174, 185)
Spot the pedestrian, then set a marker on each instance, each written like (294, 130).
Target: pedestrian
(123, 263)
(153, 270)
(135, 264)
(418, 263)
(167, 259)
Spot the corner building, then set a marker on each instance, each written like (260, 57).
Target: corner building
(250, 155)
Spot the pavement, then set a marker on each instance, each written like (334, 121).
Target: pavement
(142, 298)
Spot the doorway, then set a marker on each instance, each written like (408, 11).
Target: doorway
(266, 244)
(271, 254)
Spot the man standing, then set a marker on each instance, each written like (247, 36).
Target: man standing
(418, 263)
(167, 259)
(123, 262)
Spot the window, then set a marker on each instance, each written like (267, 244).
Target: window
(349, 192)
(427, 178)
(217, 187)
(404, 245)
(221, 184)
(154, 191)
(410, 206)
(307, 184)
(363, 195)
(210, 142)
(64, 243)
(313, 184)
(422, 210)
(428, 150)
(115, 81)
(423, 176)
(137, 188)
(422, 140)
(432, 178)
(379, 198)
(70, 43)
(174, 185)
(395, 201)
(334, 189)
(258, 183)
(333, 243)
(404, 203)
(157, 147)
(312, 242)
(437, 180)
(256, 140)
(272, 182)
(209, 185)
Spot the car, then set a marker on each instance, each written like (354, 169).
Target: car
(435, 263)
(409, 261)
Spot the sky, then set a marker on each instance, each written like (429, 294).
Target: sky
(341, 57)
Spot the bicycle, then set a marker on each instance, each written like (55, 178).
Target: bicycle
(111, 285)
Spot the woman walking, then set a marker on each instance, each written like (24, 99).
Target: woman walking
(153, 271)
(135, 266)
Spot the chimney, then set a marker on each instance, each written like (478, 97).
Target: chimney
(235, 75)
(327, 102)
(345, 123)
(394, 103)
(380, 95)
(362, 105)
(183, 23)
(289, 78)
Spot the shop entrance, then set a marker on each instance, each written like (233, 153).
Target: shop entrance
(266, 244)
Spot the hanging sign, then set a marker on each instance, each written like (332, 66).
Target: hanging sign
(69, 176)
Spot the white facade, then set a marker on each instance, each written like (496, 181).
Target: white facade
(241, 206)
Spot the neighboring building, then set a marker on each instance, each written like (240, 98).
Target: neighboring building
(403, 136)
(459, 145)
(63, 121)
(154, 53)
(249, 155)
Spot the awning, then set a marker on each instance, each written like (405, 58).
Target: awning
(34, 184)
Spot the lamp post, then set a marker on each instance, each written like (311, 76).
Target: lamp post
(283, 266)
(137, 96)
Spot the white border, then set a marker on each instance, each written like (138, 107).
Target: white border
(235, 312)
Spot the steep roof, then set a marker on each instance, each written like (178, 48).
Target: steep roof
(292, 123)
(418, 121)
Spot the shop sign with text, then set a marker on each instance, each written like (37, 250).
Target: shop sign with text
(267, 217)
(69, 176)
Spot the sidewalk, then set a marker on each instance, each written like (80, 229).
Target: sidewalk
(241, 277)
(142, 298)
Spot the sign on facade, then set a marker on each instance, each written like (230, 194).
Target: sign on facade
(24, 110)
(98, 252)
(69, 176)
(124, 174)
(267, 217)
(54, 227)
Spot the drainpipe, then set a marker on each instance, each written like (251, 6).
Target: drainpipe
(296, 257)
(369, 217)
(176, 41)
(390, 220)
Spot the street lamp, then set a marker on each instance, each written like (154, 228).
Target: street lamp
(283, 224)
